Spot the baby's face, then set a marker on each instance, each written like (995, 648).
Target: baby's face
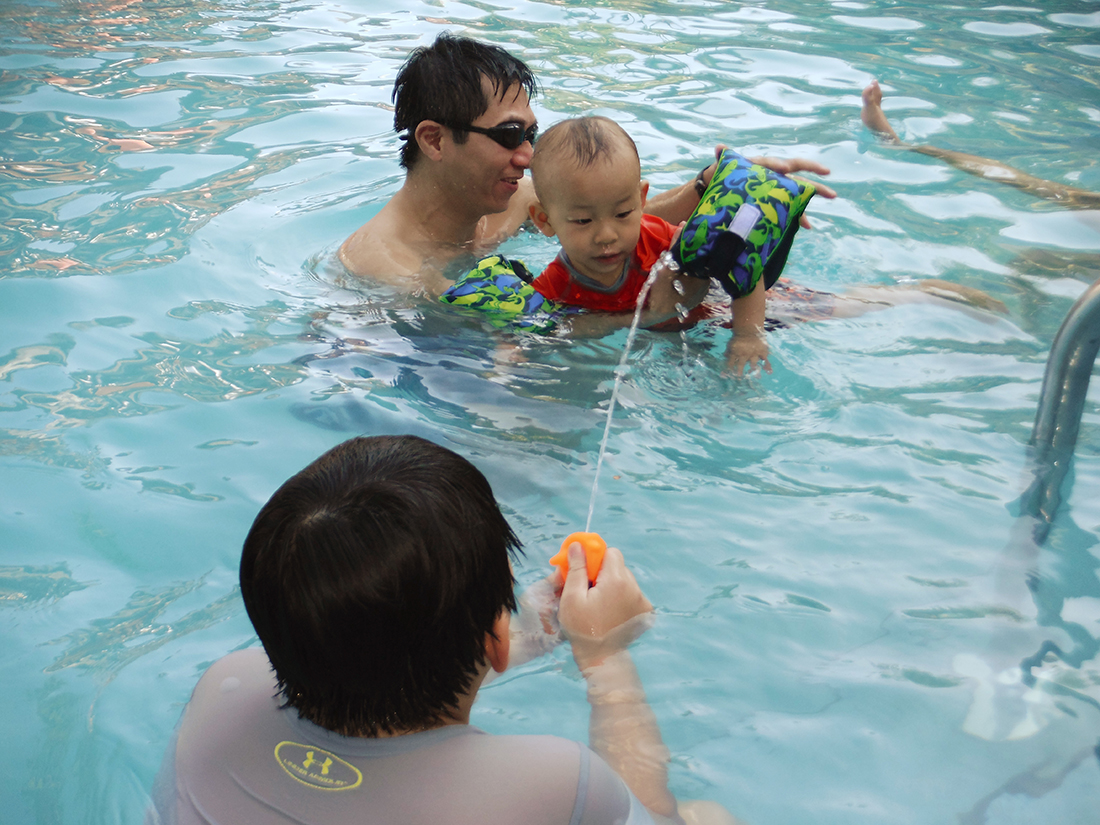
(596, 212)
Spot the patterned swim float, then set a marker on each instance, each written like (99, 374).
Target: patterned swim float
(499, 290)
(744, 225)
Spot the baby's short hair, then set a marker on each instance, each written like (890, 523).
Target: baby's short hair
(582, 140)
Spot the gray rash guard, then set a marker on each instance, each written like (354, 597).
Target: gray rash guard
(238, 758)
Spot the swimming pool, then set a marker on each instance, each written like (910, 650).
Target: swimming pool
(824, 544)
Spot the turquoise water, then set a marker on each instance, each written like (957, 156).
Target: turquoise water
(826, 545)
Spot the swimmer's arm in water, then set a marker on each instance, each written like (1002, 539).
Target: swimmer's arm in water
(748, 348)
(677, 204)
(600, 620)
(534, 629)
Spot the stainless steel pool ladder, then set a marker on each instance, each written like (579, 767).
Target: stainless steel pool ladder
(1061, 402)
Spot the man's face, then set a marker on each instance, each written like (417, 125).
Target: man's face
(487, 173)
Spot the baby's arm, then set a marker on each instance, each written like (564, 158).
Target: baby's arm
(748, 349)
(677, 204)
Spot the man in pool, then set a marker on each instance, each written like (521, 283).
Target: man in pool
(464, 108)
(379, 582)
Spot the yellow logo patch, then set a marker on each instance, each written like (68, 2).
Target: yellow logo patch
(316, 767)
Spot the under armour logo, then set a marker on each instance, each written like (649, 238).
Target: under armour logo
(310, 760)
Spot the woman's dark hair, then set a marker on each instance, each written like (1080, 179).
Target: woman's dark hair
(372, 578)
(442, 82)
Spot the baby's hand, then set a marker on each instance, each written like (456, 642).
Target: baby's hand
(671, 293)
(747, 353)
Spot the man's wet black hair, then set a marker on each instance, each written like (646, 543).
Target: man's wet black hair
(372, 578)
(442, 82)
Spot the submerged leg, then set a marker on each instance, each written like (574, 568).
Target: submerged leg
(790, 304)
(1069, 196)
(862, 299)
(872, 115)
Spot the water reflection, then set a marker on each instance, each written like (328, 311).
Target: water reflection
(120, 212)
(112, 642)
(54, 350)
(208, 371)
(29, 584)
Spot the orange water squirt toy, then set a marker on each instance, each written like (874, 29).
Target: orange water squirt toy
(594, 549)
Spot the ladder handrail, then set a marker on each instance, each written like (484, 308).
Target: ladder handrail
(1061, 403)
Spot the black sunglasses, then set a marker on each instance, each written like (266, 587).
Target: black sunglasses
(509, 135)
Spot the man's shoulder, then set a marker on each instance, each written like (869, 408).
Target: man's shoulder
(252, 663)
(570, 771)
(547, 745)
(379, 250)
(556, 762)
(382, 252)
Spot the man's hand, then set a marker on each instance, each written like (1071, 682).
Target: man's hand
(678, 203)
(596, 618)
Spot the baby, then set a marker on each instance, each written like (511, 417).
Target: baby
(587, 177)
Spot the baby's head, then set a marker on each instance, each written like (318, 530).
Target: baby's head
(588, 182)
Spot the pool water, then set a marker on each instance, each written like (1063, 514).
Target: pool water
(841, 627)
